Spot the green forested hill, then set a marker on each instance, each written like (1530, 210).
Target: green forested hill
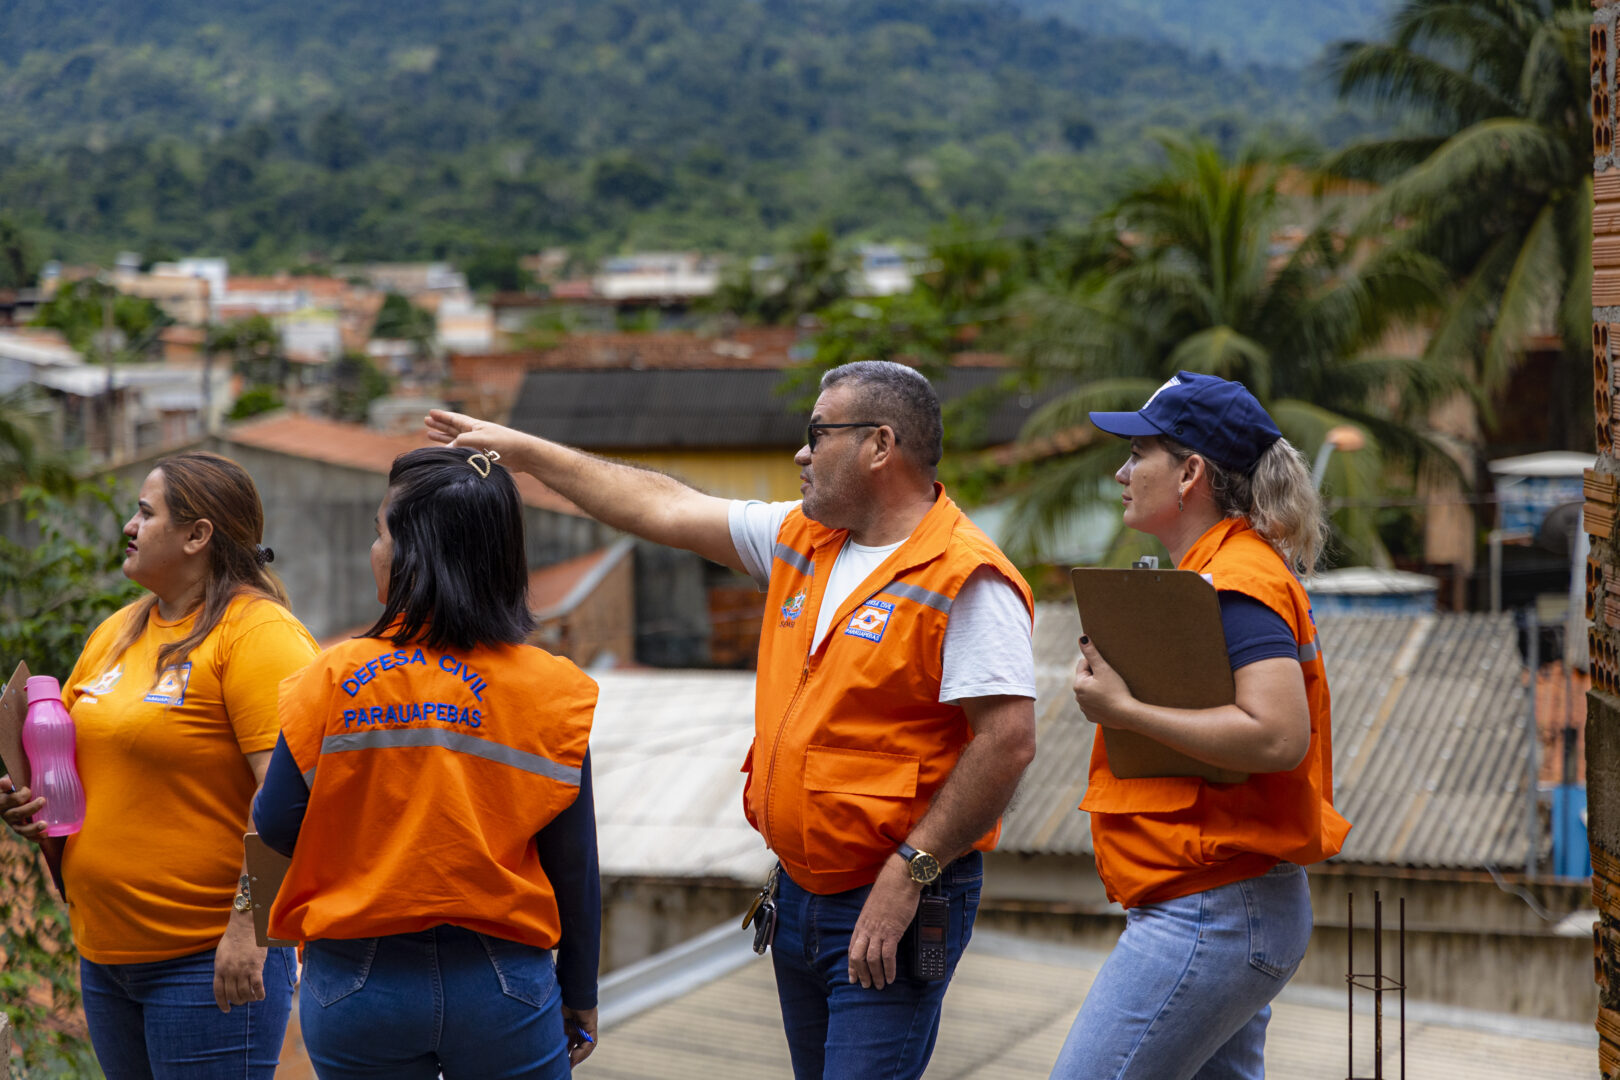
(270, 129)
(1286, 32)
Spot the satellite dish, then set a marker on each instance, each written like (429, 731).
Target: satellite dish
(1557, 530)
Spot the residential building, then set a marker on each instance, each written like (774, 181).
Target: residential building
(663, 277)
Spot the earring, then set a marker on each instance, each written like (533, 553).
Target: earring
(1179, 505)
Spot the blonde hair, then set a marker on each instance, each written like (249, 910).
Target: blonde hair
(1276, 496)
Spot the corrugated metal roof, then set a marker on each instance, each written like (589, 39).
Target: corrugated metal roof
(1010, 1007)
(666, 749)
(358, 447)
(559, 588)
(1429, 722)
(1429, 741)
(645, 409)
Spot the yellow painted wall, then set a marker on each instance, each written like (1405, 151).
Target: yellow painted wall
(731, 474)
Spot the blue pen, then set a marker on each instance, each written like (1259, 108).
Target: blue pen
(582, 1033)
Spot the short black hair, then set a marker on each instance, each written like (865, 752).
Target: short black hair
(901, 397)
(459, 578)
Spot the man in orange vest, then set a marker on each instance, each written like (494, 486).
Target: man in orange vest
(894, 705)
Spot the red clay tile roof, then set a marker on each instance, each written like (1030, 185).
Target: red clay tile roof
(550, 585)
(183, 335)
(310, 283)
(754, 347)
(1551, 715)
(359, 447)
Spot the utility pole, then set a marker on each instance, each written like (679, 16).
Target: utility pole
(108, 358)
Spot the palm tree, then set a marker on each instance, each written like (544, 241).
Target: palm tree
(1493, 174)
(1196, 269)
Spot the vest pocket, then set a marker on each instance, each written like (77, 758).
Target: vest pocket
(1142, 795)
(857, 804)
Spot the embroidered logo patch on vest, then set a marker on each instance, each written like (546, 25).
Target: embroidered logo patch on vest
(171, 686)
(870, 620)
(793, 608)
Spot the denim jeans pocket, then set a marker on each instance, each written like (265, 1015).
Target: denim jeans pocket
(288, 963)
(1279, 929)
(970, 911)
(335, 968)
(524, 971)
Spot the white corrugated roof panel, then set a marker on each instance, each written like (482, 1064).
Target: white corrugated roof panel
(666, 751)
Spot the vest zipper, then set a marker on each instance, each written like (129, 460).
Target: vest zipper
(776, 745)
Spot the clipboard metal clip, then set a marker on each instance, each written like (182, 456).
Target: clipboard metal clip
(1146, 562)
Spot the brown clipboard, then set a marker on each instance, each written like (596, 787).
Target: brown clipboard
(1161, 630)
(13, 709)
(265, 868)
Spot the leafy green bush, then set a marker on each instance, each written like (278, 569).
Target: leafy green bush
(255, 400)
(53, 592)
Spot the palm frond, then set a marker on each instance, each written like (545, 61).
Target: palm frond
(1223, 351)
(1381, 159)
(1072, 409)
(1390, 75)
(1499, 154)
(1537, 276)
(1059, 489)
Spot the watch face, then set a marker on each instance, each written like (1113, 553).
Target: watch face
(924, 868)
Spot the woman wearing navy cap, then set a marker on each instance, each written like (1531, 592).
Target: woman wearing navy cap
(1218, 913)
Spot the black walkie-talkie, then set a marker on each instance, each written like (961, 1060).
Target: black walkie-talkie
(928, 951)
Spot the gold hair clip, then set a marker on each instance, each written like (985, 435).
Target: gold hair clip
(488, 457)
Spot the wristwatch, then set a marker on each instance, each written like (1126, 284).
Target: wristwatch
(244, 895)
(924, 867)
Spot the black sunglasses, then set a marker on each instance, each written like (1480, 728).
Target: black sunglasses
(812, 434)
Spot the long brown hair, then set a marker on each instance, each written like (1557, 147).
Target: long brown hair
(201, 485)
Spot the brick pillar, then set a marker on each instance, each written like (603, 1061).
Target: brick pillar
(1602, 575)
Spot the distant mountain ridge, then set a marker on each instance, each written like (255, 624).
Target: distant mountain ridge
(1291, 33)
(394, 128)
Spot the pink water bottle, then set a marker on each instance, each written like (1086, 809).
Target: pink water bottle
(47, 737)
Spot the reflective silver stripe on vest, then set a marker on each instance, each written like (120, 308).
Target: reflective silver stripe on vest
(937, 601)
(451, 740)
(794, 559)
(1308, 652)
(309, 777)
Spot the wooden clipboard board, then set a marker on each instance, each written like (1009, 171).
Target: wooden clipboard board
(13, 708)
(1161, 630)
(265, 868)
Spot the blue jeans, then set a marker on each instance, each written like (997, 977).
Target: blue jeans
(844, 1031)
(408, 1005)
(1187, 991)
(158, 1021)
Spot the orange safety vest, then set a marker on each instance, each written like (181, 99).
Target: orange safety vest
(851, 741)
(1157, 838)
(429, 772)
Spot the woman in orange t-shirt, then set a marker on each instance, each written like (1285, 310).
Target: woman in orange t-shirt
(1218, 912)
(174, 704)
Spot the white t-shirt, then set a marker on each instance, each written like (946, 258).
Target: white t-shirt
(987, 636)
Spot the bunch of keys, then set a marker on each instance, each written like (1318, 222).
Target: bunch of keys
(762, 913)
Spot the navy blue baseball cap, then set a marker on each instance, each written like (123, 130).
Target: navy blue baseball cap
(1215, 417)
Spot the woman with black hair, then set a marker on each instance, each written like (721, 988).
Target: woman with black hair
(432, 785)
